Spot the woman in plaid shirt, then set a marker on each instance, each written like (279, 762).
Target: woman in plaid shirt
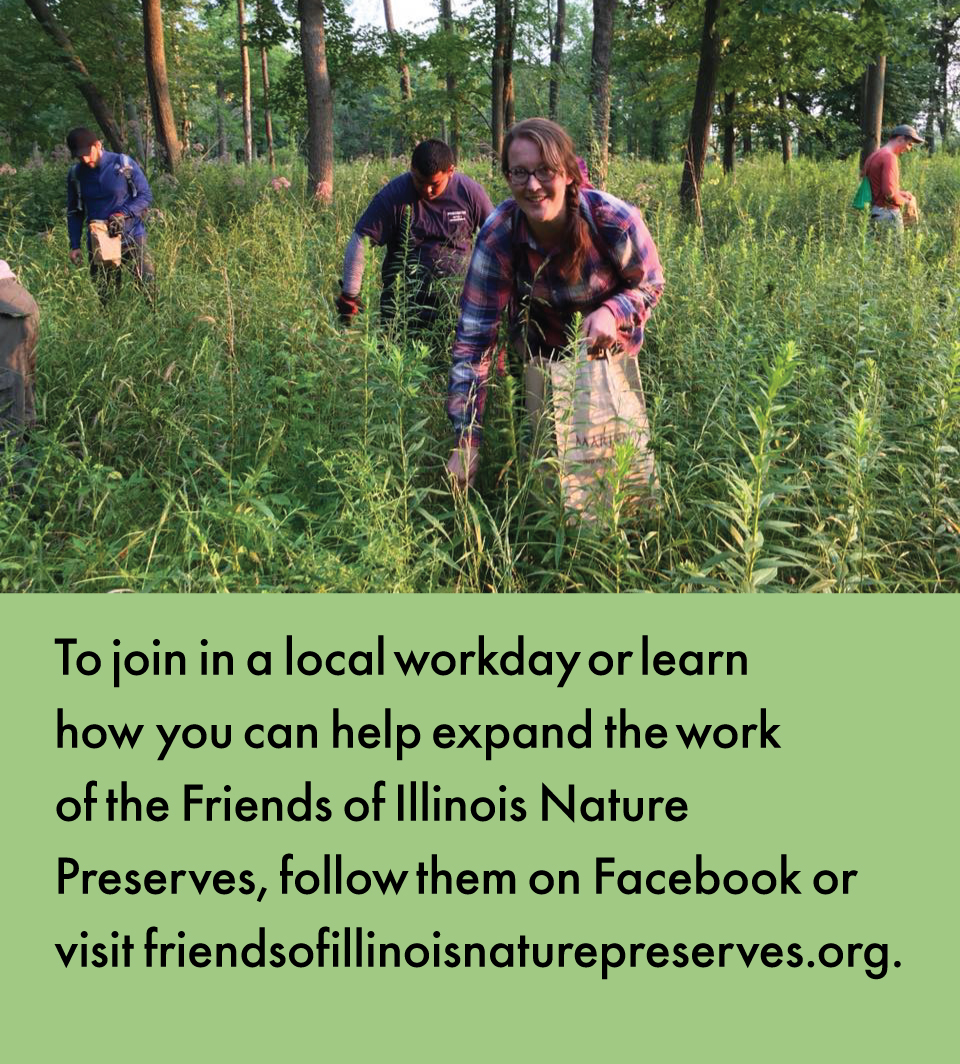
(553, 250)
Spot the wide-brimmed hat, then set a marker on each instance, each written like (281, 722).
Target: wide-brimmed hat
(907, 131)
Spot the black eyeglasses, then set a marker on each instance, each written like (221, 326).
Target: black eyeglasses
(519, 175)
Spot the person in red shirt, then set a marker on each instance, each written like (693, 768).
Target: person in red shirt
(882, 170)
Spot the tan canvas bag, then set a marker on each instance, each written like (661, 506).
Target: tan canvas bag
(591, 407)
(105, 248)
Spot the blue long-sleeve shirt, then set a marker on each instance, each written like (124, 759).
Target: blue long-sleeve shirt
(104, 190)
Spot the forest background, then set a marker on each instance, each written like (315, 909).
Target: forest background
(804, 383)
(647, 78)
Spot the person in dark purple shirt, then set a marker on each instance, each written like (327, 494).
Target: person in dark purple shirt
(426, 219)
(108, 187)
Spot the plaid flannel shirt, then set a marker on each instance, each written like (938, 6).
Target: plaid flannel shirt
(621, 272)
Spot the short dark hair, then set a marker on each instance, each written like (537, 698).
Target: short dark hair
(432, 157)
(81, 140)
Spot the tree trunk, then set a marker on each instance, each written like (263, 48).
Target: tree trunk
(786, 141)
(804, 103)
(872, 120)
(406, 92)
(185, 123)
(699, 138)
(930, 130)
(149, 143)
(658, 151)
(446, 22)
(316, 77)
(155, 60)
(222, 146)
(729, 133)
(943, 51)
(509, 91)
(556, 56)
(500, 29)
(746, 137)
(245, 83)
(933, 103)
(501, 32)
(99, 107)
(135, 130)
(509, 96)
(267, 120)
(125, 102)
(603, 12)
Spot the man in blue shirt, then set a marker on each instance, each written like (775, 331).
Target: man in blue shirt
(426, 219)
(104, 186)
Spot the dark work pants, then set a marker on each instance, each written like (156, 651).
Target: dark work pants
(416, 293)
(133, 260)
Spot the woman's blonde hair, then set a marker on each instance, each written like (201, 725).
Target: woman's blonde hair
(558, 152)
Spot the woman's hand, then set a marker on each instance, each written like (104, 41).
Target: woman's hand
(599, 329)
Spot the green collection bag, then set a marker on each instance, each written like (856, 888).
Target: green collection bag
(864, 196)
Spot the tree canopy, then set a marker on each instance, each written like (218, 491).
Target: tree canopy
(623, 78)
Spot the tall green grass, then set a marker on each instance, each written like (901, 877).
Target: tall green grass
(803, 385)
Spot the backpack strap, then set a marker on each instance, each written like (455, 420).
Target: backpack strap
(125, 168)
(75, 178)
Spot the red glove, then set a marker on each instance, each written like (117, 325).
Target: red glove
(348, 307)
